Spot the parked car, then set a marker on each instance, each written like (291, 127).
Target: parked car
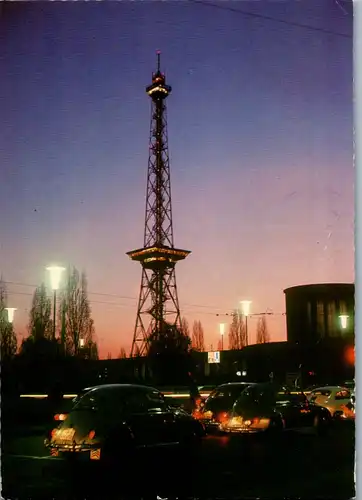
(111, 422)
(215, 409)
(347, 411)
(334, 398)
(267, 408)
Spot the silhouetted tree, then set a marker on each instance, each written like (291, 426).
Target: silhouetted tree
(169, 355)
(8, 341)
(40, 325)
(262, 334)
(122, 353)
(185, 327)
(75, 315)
(90, 350)
(198, 343)
(237, 331)
(109, 355)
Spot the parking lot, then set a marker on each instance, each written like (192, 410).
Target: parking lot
(293, 466)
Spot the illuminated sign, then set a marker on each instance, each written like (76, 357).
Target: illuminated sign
(213, 357)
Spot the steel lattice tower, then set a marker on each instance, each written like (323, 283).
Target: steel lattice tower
(158, 305)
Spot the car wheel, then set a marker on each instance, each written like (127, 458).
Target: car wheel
(117, 451)
(191, 444)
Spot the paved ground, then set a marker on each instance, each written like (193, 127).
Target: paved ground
(294, 466)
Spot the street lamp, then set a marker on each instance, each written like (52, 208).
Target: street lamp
(344, 320)
(245, 310)
(11, 312)
(222, 331)
(55, 276)
(81, 342)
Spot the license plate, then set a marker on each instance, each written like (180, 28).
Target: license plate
(95, 454)
(65, 435)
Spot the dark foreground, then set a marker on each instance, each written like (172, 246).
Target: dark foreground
(293, 466)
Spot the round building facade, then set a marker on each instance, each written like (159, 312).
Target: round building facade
(319, 311)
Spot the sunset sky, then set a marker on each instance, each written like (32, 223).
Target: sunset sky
(261, 146)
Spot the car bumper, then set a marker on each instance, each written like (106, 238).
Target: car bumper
(210, 426)
(81, 451)
(242, 430)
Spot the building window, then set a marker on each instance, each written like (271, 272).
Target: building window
(332, 319)
(320, 320)
(342, 307)
(309, 315)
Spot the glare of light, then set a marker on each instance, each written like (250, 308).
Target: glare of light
(245, 307)
(11, 312)
(238, 374)
(344, 319)
(81, 342)
(55, 276)
(222, 328)
(243, 373)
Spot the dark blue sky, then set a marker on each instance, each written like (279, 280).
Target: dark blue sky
(260, 135)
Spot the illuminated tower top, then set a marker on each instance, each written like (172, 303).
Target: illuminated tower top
(158, 88)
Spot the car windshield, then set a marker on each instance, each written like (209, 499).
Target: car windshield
(224, 397)
(286, 397)
(267, 396)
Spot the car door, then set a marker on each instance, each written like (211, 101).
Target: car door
(290, 409)
(162, 418)
(341, 398)
(306, 410)
(320, 397)
(149, 418)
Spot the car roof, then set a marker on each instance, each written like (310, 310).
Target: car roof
(107, 387)
(235, 384)
(330, 388)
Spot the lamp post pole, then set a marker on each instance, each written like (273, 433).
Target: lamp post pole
(245, 310)
(55, 276)
(222, 331)
(54, 312)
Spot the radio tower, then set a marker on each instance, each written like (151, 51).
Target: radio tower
(158, 306)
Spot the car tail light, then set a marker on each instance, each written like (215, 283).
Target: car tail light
(52, 433)
(196, 414)
(91, 434)
(223, 417)
(60, 416)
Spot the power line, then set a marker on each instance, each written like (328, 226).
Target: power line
(127, 297)
(117, 304)
(269, 18)
(92, 301)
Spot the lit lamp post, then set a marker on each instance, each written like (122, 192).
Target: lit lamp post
(222, 331)
(11, 312)
(245, 310)
(55, 276)
(344, 321)
(81, 342)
